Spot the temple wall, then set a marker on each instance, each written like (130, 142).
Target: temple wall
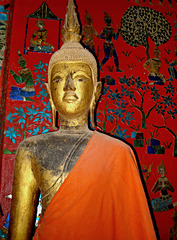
(138, 103)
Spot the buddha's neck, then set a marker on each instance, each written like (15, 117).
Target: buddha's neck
(79, 124)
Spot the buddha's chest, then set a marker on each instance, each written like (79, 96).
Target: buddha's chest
(54, 160)
(59, 154)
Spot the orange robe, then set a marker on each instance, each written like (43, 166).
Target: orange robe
(101, 199)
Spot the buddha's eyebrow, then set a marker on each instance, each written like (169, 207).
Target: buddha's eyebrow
(58, 73)
(80, 73)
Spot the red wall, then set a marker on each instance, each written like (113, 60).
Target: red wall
(116, 114)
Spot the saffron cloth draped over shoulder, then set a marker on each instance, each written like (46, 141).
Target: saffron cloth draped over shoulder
(101, 199)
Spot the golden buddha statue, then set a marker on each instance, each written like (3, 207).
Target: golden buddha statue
(84, 176)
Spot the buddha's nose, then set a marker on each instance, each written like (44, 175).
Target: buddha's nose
(69, 84)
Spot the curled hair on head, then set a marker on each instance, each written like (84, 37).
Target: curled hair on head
(72, 50)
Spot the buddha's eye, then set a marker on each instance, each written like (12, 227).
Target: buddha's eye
(57, 79)
(80, 78)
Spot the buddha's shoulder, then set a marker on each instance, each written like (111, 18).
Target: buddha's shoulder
(113, 142)
(39, 140)
(117, 150)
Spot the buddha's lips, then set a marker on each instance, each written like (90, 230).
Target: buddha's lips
(70, 96)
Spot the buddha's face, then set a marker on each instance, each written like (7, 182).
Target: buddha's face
(71, 88)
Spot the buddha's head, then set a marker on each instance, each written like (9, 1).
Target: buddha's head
(72, 74)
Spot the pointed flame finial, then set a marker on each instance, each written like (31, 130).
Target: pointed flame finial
(71, 28)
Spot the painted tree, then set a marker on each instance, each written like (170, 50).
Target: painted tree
(167, 109)
(140, 23)
(115, 111)
(135, 90)
(163, 100)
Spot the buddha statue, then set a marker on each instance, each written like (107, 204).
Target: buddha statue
(89, 182)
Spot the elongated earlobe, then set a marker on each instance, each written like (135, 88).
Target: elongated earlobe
(52, 106)
(96, 95)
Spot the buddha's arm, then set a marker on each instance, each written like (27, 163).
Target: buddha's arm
(24, 197)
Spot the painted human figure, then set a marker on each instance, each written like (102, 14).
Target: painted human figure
(164, 203)
(88, 31)
(109, 34)
(153, 66)
(24, 76)
(38, 38)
